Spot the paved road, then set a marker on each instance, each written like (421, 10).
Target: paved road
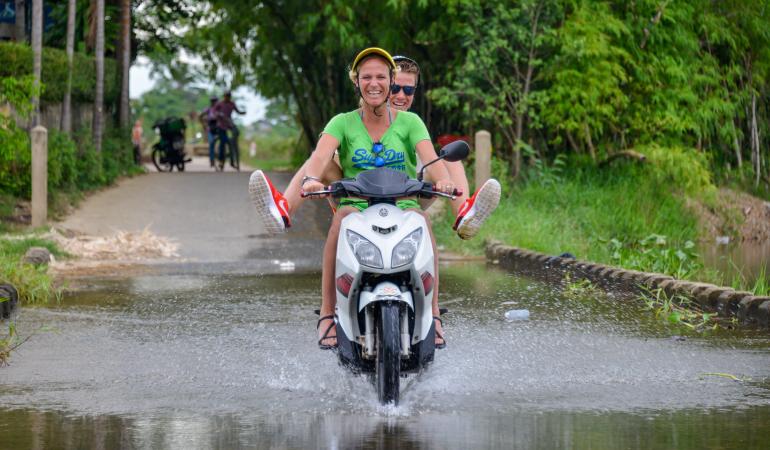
(209, 214)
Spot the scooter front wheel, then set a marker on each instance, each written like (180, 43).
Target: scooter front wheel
(388, 368)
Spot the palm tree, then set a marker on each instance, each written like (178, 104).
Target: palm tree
(66, 114)
(124, 58)
(37, 49)
(98, 124)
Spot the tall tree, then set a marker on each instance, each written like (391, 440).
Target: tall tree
(66, 116)
(492, 82)
(37, 49)
(124, 60)
(98, 124)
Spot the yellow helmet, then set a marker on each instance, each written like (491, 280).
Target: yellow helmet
(372, 51)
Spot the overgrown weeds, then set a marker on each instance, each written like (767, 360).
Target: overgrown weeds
(655, 253)
(34, 284)
(678, 310)
(760, 286)
(579, 288)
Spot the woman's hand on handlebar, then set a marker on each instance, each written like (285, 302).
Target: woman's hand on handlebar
(311, 186)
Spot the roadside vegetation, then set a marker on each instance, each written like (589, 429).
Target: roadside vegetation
(629, 214)
(75, 166)
(33, 284)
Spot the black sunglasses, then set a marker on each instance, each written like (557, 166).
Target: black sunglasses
(408, 90)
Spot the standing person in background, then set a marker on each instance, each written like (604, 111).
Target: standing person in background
(208, 119)
(136, 139)
(224, 111)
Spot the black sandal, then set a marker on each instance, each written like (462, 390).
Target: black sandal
(438, 335)
(326, 333)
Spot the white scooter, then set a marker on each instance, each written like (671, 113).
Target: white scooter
(385, 276)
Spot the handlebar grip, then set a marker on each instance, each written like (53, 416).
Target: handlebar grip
(322, 193)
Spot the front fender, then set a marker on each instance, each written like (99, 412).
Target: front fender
(385, 291)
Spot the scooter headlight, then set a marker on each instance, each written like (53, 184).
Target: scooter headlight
(366, 253)
(404, 252)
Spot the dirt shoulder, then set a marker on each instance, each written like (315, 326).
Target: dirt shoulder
(737, 215)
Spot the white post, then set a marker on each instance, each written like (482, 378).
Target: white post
(39, 176)
(483, 157)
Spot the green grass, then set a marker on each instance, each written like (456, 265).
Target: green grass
(760, 286)
(35, 286)
(33, 283)
(580, 212)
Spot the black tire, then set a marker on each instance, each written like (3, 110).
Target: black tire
(180, 166)
(388, 366)
(160, 160)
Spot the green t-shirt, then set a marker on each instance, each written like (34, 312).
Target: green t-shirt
(399, 142)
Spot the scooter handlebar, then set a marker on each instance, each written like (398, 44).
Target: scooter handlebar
(319, 194)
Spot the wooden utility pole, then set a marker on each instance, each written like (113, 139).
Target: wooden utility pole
(98, 125)
(37, 52)
(39, 202)
(66, 113)
(483, 155)
(124, 115)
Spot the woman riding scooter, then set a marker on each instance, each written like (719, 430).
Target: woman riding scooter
(356, 134)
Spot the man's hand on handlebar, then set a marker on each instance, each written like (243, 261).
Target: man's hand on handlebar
(445, 186)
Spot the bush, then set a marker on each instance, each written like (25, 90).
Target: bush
(680, 168)
(62, 162)
(73, 165)
(16, 62)
(15, 159)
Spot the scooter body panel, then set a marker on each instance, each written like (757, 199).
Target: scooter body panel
(385, 226)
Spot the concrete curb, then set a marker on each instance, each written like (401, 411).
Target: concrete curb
(746, 307)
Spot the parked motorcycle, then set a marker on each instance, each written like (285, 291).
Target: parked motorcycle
(169, 151)
(385, 277)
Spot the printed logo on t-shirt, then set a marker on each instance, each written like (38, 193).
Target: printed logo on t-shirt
(364, 159)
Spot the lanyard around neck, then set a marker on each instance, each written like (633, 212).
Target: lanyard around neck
(387, 106)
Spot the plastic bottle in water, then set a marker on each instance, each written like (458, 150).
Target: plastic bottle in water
(517, 314)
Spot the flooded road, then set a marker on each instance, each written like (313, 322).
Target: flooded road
(202, 360)
(204, 354)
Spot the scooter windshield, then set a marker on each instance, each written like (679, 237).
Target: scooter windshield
(382, 183)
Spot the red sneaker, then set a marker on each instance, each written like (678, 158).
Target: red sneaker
(477, 209)
(270, 204)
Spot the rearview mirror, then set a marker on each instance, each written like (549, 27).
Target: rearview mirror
(455, 151)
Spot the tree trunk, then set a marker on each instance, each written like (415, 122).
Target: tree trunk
(572, 142)
(755, 157)
(20, 28)
(589, 142)
(124, 56)
(98, 125)
(737, 147)
(66, 113)
(37, 49)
